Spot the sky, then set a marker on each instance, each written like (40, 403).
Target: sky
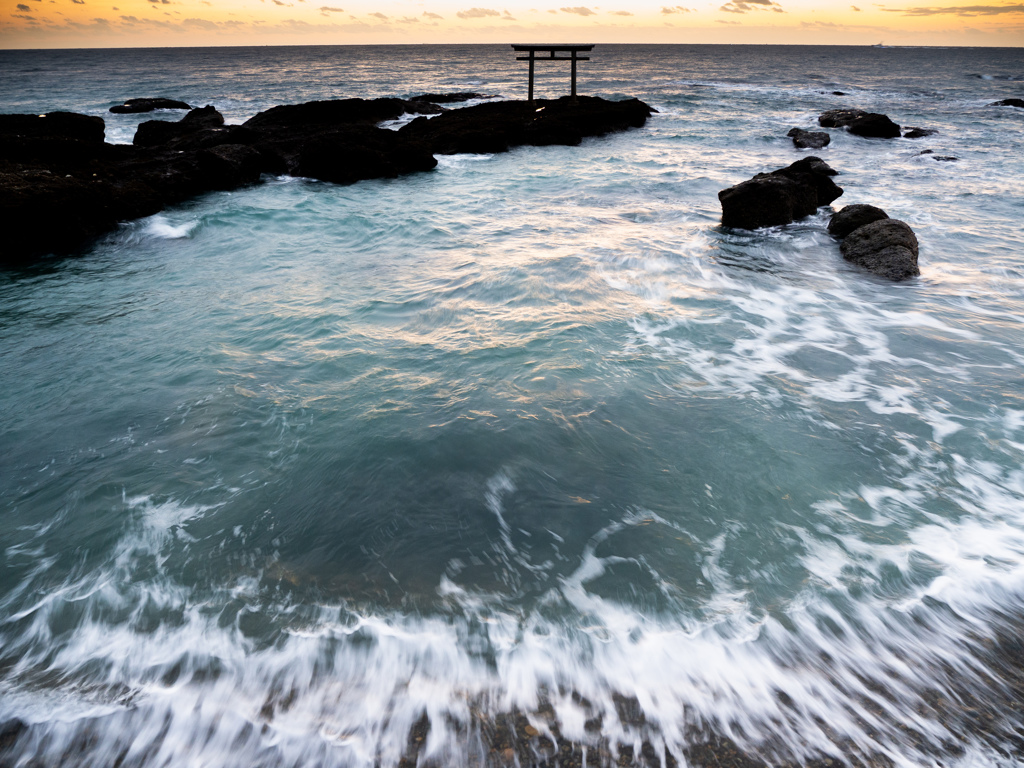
(145, 23)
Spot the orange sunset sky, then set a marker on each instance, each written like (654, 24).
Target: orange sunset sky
(142, 23)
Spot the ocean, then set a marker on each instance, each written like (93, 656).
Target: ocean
(525, 460)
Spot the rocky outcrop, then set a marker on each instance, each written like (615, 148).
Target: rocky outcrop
(500, 126)
(779, 197)
(939, 158)
(450, 98)
(132, 106)
(852, 217)
(154, 132)
(860, 123)
(1019, 103)
(887, 247)
(809, 139)
(918, 133)
(61, 184)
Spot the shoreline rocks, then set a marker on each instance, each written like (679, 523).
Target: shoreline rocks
(1019, 103)
(884, 246)
(58, 166)
(132, 106)
(780, 197)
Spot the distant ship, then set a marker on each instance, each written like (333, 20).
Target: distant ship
(881, 45)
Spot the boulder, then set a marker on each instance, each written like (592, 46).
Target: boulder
(362, 153)
(148, 105)
(940, 158)
(779, 197)
(809, 139)
(852, 217)
(874, 126)
(155, 132)
(839, 118)
(230, 166)
(1008, 103)
(338, 112)
(919, 133)
(887, 247)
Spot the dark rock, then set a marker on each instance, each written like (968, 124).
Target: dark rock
(67, 126)
(148, 105)
(860, 123)
(231, 165)
(874, 126)
(887, 247)
(9, 733)
(359, 154)
(779, 197)
(155, 132)
(809, 139)
(450, 98)
(499, 126)
(338, 112)
(838, 93)
(919, 133)
(839, 118)
(1008, 103)
(852, 217)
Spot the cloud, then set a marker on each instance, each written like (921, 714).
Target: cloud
(745, 6)
(620, 13)
(579, 10)
(23, 7)
(958, 10)
(22, 16)
(477, 13)
(430, 15)
(674, 9)
(276, 2)
(155, 2)
(375, 14)
(330, 9)
(723, 21)
(855, 8)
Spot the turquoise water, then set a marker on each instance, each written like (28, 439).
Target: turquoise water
(286, 468)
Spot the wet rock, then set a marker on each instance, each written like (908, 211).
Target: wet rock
(779, 197)
(450, 98)
(874, 126)
(860, 123)
(852, 217)
(356, 155)
(887, 247)
(67, 126)
(809, 139)
(919, 133)
(230, 166)
(499, 126)
(1019, 103)
(337, 112)
(155, 132)
(839, 118)
(10, 731)
(148, 105)
(940, 158)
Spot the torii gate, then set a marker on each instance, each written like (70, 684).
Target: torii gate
(551, 50)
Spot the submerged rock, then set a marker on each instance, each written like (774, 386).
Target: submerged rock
(148, 105)
(887, 247)
(852, 217)
(919, 133)
(1019, 103)
(809, 139)
(779, 197)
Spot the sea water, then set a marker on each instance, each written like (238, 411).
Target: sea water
(287, 470)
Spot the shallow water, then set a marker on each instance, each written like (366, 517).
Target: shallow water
(284, 469)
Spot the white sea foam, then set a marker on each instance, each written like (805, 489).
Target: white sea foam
(161, 226)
